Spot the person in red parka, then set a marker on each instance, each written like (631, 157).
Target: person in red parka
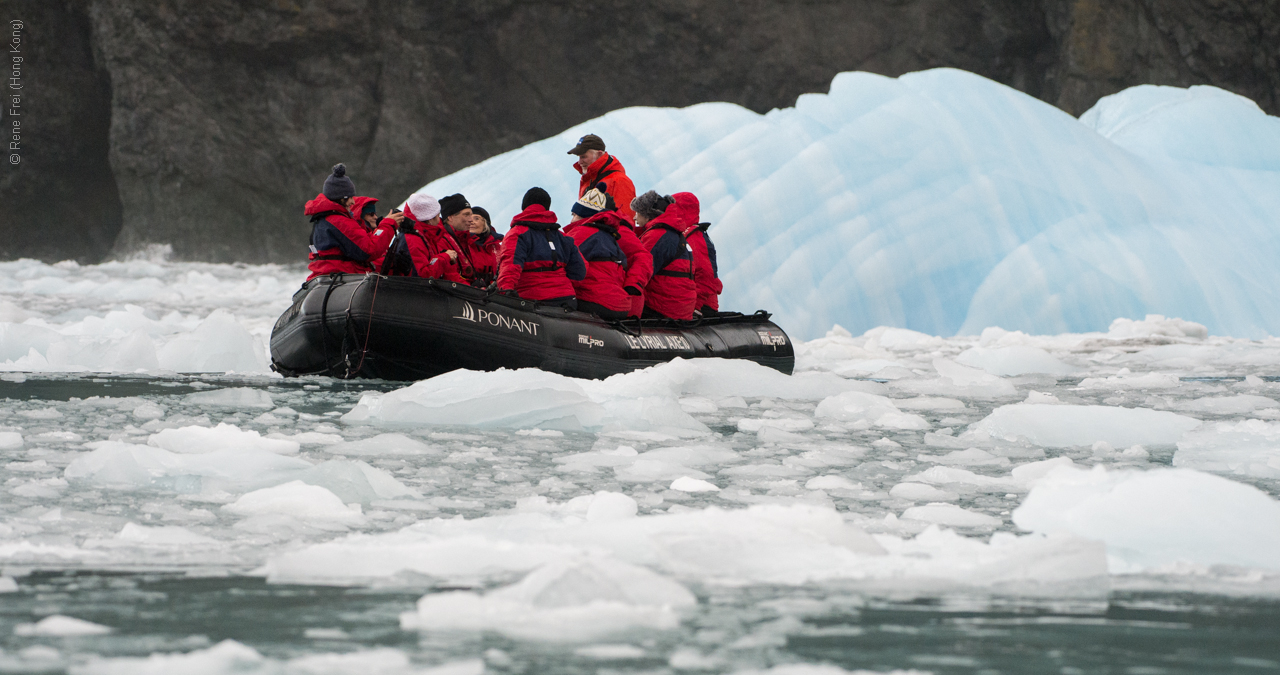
(420, 251)
(618, 265)
(485, 245)
(598, 166)
(537, 260)
(670, 293)
(706, 271)
(454, 233)
(340, 243)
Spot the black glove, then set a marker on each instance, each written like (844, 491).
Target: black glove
(632, 290)
(406, 226)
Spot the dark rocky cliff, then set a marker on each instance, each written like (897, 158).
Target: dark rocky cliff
(205, 124)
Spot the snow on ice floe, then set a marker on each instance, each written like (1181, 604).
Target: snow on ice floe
(1157, 518)
(945, 203)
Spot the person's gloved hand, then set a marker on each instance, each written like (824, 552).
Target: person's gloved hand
(492, 287)
(405, 226)
(632, 290)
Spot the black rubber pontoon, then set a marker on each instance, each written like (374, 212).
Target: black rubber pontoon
(402, 328)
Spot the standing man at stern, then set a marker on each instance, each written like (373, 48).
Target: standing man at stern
(598, 166)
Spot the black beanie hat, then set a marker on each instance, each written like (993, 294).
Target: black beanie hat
(536, 195)
(339, 186)
(483, 214)
(453, 204)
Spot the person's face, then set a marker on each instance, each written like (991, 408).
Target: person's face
(478, 224)
(641, 220)
(589, 157)
(371, 219)
(460, 220)
(573, 218)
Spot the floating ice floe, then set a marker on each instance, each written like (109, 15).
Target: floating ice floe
(1245, 448)
(562, 601)
(645, 400)
(773, 544)
(60, 626)
(1061, 426)
(1157, 518)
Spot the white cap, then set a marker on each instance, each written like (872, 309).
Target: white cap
(422, 207)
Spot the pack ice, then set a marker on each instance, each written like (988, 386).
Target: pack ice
(944, 202)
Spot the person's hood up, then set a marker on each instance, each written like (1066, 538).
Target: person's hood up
(322, 204)
(688, 210)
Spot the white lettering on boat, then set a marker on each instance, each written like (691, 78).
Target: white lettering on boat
(590, 341)
(663, 342)
(772, 339)
(492, 318)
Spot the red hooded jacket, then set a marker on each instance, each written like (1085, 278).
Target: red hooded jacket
(537, 260)
(671, 292)
(706, 272)
(607, 168)
(615, 259)
(340, 243)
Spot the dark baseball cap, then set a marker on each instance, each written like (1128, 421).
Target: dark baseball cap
(588, 142)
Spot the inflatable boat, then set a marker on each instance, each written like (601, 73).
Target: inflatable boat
(401, 328)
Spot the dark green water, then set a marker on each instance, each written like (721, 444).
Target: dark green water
(1133, 633)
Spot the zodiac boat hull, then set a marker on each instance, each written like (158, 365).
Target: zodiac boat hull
(399, 328)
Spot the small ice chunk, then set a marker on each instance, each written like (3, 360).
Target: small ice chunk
(227, 656)
(166, 535)
(10, 440)
(8, 585)
(969, 457)
(919, 492)
(234, 397)
(148, 411)
(199, 440)
(383, 444)
(687, 484)
(1014, 360)
(570, 601)
(1158, 517)
(1061, 426)
(852, 406)
(950, 514)
(501, 399)
(831, 482)
(60, 626)
(1245, 448)
(295, 499)
(1039, 397)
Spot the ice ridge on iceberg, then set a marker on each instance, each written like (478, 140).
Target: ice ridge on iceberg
(944, 202)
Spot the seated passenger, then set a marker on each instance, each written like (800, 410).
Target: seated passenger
(706, 272)
(340, 244)
(618, 265)
(670, 293)
(455, 230)
(485, 244)
(537, 261)
(420, 251)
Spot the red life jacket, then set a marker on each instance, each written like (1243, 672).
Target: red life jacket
(706, 272)
(538, 261)
(671, 292)
(339, 242)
